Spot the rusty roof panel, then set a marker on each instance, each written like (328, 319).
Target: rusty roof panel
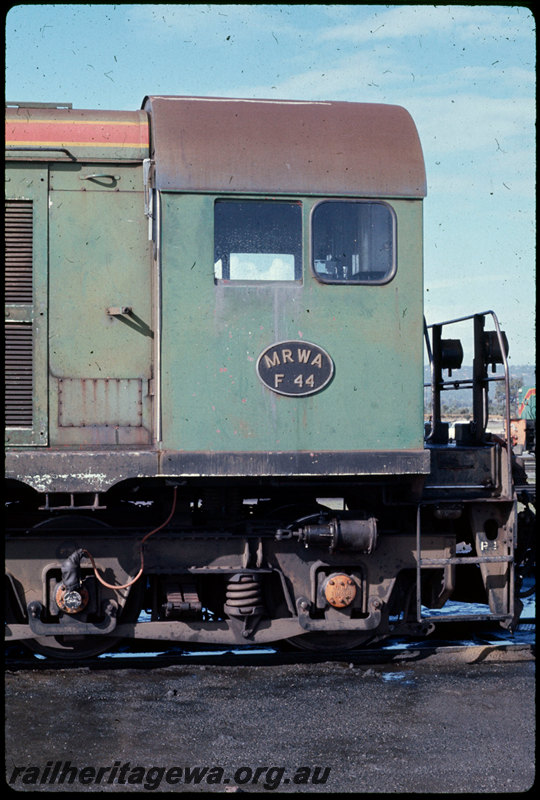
(289, 147)
(58, 133)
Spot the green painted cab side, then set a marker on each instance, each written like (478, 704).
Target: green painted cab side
(213, 334)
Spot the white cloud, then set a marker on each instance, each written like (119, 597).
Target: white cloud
(460, 21)
(464, 122)
(208, 25)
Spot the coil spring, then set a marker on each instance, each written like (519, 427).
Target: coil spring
(244, 596)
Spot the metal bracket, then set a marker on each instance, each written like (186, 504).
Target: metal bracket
(119, 311)
(148, 174)
(368, 623)
(71, 626)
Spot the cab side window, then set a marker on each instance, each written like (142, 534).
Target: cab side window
(353, 242)
(257, 240)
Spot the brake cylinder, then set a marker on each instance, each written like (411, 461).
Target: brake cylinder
(349, 534)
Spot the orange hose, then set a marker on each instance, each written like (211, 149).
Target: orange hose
(143, 540)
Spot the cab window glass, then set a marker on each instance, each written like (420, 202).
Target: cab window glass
(257, 240)
(353, 242)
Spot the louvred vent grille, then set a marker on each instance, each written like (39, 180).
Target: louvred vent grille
(18, 375)
(18, 368)
(18, 251)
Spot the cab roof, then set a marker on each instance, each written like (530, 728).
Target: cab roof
(207, 144)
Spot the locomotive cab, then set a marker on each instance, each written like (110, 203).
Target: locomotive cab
(307, 261)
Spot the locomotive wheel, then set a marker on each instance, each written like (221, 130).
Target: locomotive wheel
(326, 642)
(72, 648)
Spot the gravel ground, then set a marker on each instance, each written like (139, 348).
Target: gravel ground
(415, 727)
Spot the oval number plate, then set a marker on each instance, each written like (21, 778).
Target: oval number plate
(295, 368)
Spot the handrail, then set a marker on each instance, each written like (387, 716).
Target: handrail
(506, 399)
(470, 381)
(462, 319)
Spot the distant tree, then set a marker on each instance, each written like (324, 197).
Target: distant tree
(498, 402)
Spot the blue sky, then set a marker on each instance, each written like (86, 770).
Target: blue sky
(465, 72)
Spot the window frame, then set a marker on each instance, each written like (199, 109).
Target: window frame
(364, 201)
(285, 200)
